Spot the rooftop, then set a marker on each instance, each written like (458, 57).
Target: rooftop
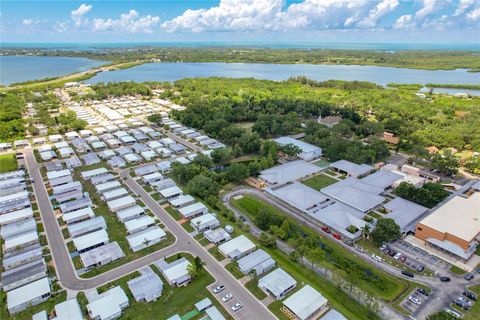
(240, 244)
(351, 168)
(108, 303)
(27, 293)
(306, 147)
(305, 302)
(277, 281)
(289, 171)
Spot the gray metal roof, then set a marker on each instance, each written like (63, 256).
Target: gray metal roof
(305, 302)
(381, 179)
(36, 268)
(351, 168)
(300, 195)
(288, 172)
(104, 254)
(13, 229)
(277, 282)
(405, 213)
(148, 286)
(254, 259)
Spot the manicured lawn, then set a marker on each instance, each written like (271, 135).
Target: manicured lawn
(233, 269)
(8, 162)
(319, 182)
(174, 213)
(321, 163)
(216, 254)
(156, 196)
(275, 307)
(252, 285)
(187, 226)
(457, 270)
(173, 300)
(203, 241)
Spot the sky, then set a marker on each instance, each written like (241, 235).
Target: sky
(255, 21)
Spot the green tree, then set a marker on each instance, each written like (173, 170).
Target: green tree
(221, 155)
(386, 230)
(237, 172)
(445, 162)
(203, 160)
(267, 241)
(290, 150)
(154, 118)
(203, 186)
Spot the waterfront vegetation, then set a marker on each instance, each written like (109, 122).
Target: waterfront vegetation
(430, 60)
(12, 124)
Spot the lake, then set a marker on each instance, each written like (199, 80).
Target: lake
(381, 75)
(24, 68)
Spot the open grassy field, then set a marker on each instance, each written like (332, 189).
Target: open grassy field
(319, 182)
(8, 162)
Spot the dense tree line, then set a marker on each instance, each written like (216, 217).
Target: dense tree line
(277, 107)
(117, 89)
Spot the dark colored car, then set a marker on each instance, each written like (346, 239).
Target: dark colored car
(468, 276)
(392, 253)
(422, 291)
(470, 295)
(420, 269)
(445, 279)
(408, 274)
(242, 218)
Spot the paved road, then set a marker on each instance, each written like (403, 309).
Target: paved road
(253, 309)
(442, 293)
(178, 139)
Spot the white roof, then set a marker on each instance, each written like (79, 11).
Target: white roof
(150, 234)
(108, 304)
(240, 243)
(351, 168)
(174, 270)
(333, 314)
(300, 195)
(277, 281)
(171, 191)
(68, 310)
(57, 174)
(180, 200)
(20, 240)
(129, 212)
(459, 217)
(115, 193)
(27, 293)
(77, 214)
(305, 302)
(153, 176)
(289, 171)
(193, 209)
(91, 173)
(107, 186)
(404, 212)
(120, 202)
(355, 193)
(91, 239)
(204, 219)
(382, 179)
(139, 222)
(16, 216)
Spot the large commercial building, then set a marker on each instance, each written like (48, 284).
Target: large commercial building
(288, 172)
(309, 152)
(454, 227)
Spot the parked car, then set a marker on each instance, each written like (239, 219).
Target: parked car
(445, 279)
(408, 274)
(470, 295)
(402, 259)
(237, 306)
(227, 297)
(469, 276)
(461, 304)
(392, 253)
(465, 301)
(397, 255)
(452, 312)
(218, 289)
(415, 300)
(242, 218)
(422, 291)
(420, 269)
(383, 247)
(359, 249)
(376, 258)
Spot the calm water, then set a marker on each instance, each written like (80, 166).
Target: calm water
(24, 68)
(380, 75)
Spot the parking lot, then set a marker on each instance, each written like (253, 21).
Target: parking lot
(416, 256)
(411, 306)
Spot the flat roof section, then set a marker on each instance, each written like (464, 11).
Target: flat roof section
(305, 302)
(288, 172)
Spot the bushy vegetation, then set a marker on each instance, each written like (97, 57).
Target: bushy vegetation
(429, 195)
(11, 108)
(386, 230)
(118, 89)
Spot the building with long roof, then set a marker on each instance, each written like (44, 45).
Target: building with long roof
(305, 304)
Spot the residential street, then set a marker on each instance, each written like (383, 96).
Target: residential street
(253, 309)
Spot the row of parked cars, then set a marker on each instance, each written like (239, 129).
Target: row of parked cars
(465, 301)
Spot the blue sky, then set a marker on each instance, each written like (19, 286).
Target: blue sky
(305, 21)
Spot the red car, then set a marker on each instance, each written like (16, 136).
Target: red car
(337, 236)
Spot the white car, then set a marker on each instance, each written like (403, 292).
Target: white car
(237, 306)
(397, 256)
(415, 300)
(227, 297)
(376, 258)
(218, 289)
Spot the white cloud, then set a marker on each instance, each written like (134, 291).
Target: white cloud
(77, 14)
(382, 9)
(474, 15)
(463, 5)
(129, 22)
(28, 22)
(404, 22)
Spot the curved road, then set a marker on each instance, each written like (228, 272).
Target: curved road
(253, 309)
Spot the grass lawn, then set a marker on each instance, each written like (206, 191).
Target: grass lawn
(204, 241)
(321, 163)
(319, 182)
(275, 307)
(8, 162)
(173, 300)
(174, 213)
(156, 196)
(216, 254)
(233, 269)
(27, 314)
(187, 226)
(457, 270)
(252, 285)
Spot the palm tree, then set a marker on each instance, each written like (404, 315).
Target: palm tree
(366, 231)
